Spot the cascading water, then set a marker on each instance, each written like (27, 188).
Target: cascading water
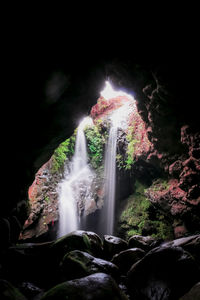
(118, 120)
(76, 184)
(110, 174)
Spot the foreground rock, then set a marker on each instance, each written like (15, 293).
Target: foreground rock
(190, 244)
(165, 273)
(78, 240)
(125, 259)
(193, 294)
(144, 242)
(76, 264)
(113, 245)
(94, 287)
(9, 292)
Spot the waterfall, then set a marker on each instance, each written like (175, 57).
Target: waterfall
(110, 175)
(76, 183)
(118, 120)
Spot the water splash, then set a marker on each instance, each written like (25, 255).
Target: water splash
(76, 184)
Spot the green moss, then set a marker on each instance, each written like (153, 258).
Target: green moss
(140, 217)
(159, 185)
(64, 151)
(47, 199)
(130, 137)
(126, 161)
(87, 241)
(96, 140)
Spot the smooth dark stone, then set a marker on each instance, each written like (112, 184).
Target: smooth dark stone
(165, 273)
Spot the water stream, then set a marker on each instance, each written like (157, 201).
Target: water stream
(75, 185)
(118, 121)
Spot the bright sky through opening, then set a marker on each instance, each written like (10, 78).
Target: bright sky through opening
(109, 93)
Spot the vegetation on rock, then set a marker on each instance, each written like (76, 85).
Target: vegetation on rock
(158, 185)
(140, 217)
(62, 153)
(96, 138)
(132, 141)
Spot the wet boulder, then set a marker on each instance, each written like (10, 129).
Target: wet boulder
(165, 273)
(30, 290)
(125, 259)
(113, 245)
(94, 287)
(143, 242)
(9, 292)
(27, 260)
(76, 264)
(78, 240)
(193, 294)
(190, 244)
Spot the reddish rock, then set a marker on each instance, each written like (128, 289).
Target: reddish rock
(175, 168)
(43, 204)
(104, 107)
(180, 231)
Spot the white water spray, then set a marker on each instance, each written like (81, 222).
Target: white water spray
(76, 183)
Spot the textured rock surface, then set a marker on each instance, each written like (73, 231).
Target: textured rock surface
(193, 294)
(181, 199)
(164, 272)
(125, 259)
(93, 287)
(144, 242)
(43, 200)
(77, 264)
(78, 240)
(9, 292)
(113, 245)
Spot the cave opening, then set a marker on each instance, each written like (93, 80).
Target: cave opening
(156, 196)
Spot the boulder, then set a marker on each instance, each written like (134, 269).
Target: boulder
(190, 244)
(30, 290)
(76, 264)
(125, 259)
(24, 261)
(78, 240)
(94, 287)
(9, 292)
(193, 294)
(113, 245)
(165, 273)
(143, 242)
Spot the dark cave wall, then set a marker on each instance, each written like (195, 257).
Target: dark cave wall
(51, 97)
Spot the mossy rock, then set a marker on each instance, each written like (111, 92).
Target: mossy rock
(94, 287)
(78, 240)
(9, 292)
(77, 264)
(63, 153)
(139, 217)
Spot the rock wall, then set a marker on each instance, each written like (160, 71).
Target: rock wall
(132, 146)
